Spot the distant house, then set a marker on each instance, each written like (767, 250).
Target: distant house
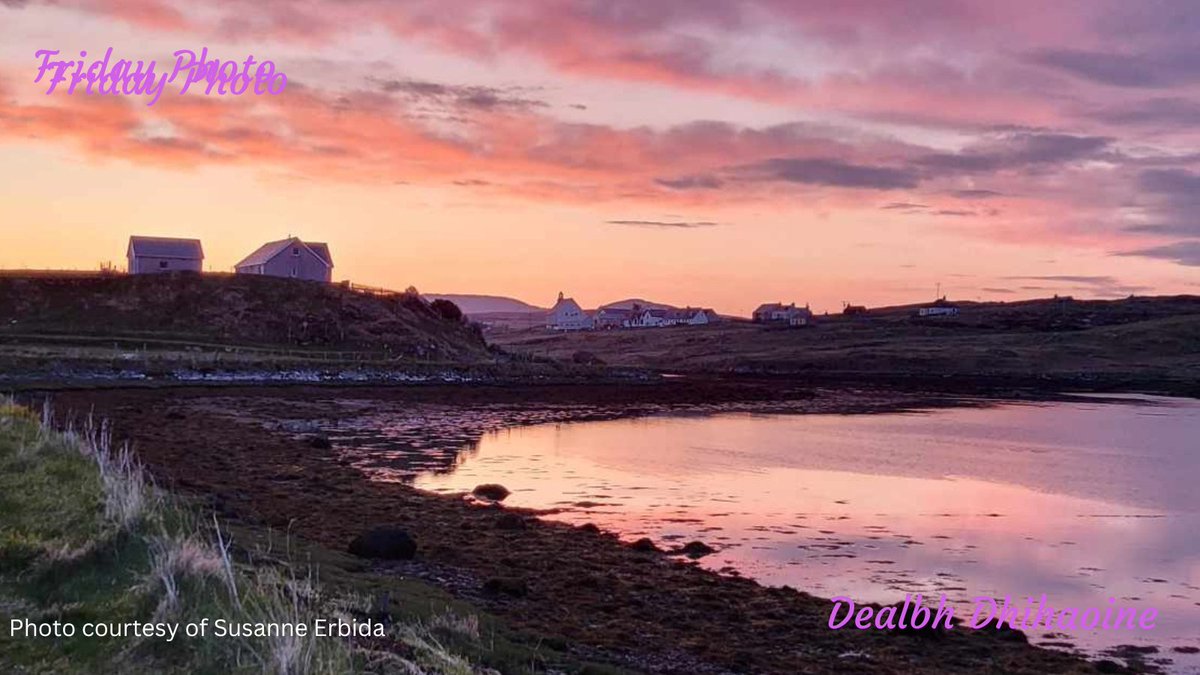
(612, 317)
(692, 316)
(291, 258)
(638, 316)
(854, 310)
(156, 255)
(651, 317)
(790, 314)
(938, 310)
(568, 315)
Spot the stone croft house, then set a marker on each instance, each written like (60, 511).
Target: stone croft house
(568, 315)
(290, 258)
(776, 312)
(159, 255)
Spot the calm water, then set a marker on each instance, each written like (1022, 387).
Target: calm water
(1081, 501)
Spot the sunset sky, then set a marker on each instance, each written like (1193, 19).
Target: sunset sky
(698, 152)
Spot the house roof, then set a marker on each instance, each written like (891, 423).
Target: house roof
(780, 307)
(322, 251)
(166, 247)
(269, 250)
(614, 312)
(565, 301)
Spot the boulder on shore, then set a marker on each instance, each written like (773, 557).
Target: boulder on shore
(644, 545)
(492, 491)
(696, 549)
(384, 543)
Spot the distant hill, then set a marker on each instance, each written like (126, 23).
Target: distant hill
(228, 309)
(486, 304)
(629, 303)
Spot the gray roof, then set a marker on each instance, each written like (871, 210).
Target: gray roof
(273, 248)
(770, 307)
(322, 251)
(780, 307)
(165, 247)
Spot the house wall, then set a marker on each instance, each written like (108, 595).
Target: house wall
(568, 316)
(144, 264)
(304, 265)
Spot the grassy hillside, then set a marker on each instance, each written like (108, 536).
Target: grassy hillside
(1143, 338)
(232, 309)
(218, 309)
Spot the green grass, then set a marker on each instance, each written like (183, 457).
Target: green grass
(86, 538)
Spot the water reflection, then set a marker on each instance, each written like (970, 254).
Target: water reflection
(1080, 501)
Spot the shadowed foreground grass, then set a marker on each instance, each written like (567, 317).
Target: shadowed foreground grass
(85, 538)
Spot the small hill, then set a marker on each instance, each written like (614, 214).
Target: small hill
(630, 302)
(239, 310)
(486, 304)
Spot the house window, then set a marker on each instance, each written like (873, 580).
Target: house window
(162, 264)
(293, 272)
(295, 252)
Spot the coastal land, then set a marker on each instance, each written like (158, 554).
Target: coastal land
(233, 392)
(252, 456)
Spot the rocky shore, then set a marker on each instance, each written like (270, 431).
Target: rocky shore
(243, 453)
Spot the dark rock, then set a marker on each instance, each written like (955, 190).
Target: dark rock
(696, 549)
(644, 545)
(385, 543)
(1108, 666)
(510, 521)
(506, 586)
(492, 491)
(319, 441)
(175, 415)
(1013, 634)
(590, 527)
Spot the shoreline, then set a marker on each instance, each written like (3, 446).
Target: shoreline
(638, 609)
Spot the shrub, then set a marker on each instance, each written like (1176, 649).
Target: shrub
(447, 310)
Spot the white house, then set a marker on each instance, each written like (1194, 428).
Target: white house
(776, 312)
(653, 317)
(290, 257)
(692, 316)
(568, 315)
(939, 310)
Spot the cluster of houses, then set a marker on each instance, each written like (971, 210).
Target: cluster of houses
(568, 315)
(298, 259)
(292, 258)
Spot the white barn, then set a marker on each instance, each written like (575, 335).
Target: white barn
(160, 255)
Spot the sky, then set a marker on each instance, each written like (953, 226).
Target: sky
(713, 153)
